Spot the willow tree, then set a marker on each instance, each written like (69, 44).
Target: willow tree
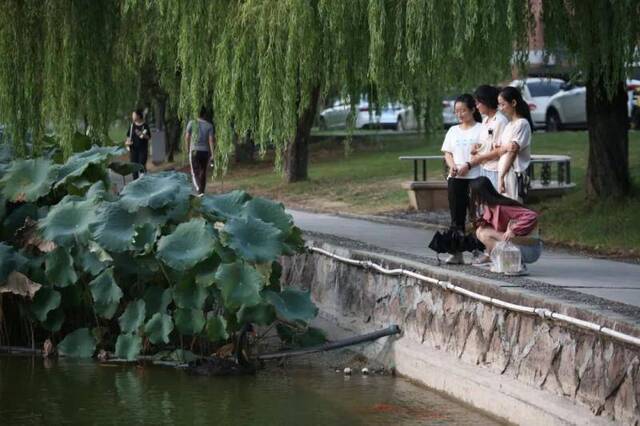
(602, 38)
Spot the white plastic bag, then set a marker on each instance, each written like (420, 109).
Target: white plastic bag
(506, 258)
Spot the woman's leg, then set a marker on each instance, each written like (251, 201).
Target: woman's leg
(489, 237)
(458, 192)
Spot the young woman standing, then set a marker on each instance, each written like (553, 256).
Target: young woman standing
(493, 123)
(458, 144)
(137, 142)
(515, 143)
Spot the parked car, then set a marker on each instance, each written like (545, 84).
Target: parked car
(392, 116)
(449, 117)
(537, 92)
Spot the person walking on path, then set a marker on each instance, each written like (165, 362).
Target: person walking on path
(516, 144)
(137, 142)
(200, 148)
(504, 219)
(458, 144)
(487, 153)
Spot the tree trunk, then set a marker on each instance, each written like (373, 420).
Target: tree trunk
(245, 149)
(159, 108)
(608, 124)
(173, 135)
(296, 159)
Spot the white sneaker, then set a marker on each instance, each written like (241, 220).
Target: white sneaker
(481, 259)
(455, 259)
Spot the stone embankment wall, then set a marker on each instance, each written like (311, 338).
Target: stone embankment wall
(547, 371)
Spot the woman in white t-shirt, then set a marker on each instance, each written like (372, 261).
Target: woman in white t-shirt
(488, 151)
(458, 144)
(516, 144)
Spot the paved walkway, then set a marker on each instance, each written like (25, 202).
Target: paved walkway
(616, 281)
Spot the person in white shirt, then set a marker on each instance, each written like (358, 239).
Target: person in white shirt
(516, 144)
(488, 151)
(458, 144)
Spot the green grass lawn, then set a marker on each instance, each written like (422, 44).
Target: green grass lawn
(366, 178)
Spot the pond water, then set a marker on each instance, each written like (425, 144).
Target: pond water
(37, 391)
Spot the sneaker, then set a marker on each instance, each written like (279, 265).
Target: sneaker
(481, 260)
(455, 259)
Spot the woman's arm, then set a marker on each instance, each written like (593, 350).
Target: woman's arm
(453, 170)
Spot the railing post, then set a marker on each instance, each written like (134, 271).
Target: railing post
(560, 172)
(424, 170)
(545, 174)
(568, 171)
(415, 170)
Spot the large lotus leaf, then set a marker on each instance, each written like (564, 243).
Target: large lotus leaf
(133, 316)
(28, 180)
(224, 206)
(240, 284)
(294, 243)
(156, 191)
(205, 271)
(113, 227)
(189, 244)
(125, 168)
(189, 321)
(144, 237)
(106, 310)
(98, 192)
(59, 268)
(158, 328)
(276, 275)
(270, 212)
(79, 163)
(216, 327)
(10, 260)
(128, 346)
(157, 299)
(253, 239)
(93, 174)
(68, 221)
(45, 300)
(21, 285)
(90, 261)
(292, 305)
(260, 314)
(104, 289)
(78, 344)
(189, 295)
(54, 320)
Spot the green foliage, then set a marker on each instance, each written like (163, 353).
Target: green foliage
(28, 180)
(149, 258)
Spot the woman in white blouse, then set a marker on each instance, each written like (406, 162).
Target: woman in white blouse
(516, 144)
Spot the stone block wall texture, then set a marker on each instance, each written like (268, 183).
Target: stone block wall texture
(598, 372)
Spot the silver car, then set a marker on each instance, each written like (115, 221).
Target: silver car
(538, 92)
(391, 116)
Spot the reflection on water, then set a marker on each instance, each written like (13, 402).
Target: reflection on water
(83, 392)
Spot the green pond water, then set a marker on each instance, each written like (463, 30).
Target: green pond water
(37, 391)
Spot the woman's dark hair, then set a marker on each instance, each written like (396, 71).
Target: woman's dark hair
(483, 192)
(468, 100)
(139, 112)
(511, 94)
(487, 95)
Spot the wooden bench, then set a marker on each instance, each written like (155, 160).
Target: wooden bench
(431, 194)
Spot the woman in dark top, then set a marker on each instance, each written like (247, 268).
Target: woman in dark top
(138, 137)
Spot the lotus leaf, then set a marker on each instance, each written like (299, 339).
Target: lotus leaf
(16, 220)
(225, 206)
(157, 299)
(79, 163)
(10, 260)
(54, 320)
(124, 168)
(240, 284)
(106, 310)
(270, 212)
(45, 300)
(28, 180)
(189, 295)
(113, 227)
(19, 284)
(104, 289)
(128, 346)
(158, 328)
(216, 327)
(261, 314)
(3, 208)
(144, 237)
(205, 271)
(189, 244)
(254, 240)
(294, 243)
(59, 268)
(68, 221)
(133, 316)
(156, 191)
(292, 305)
(90, 261)
(78, 344)
(189, 321)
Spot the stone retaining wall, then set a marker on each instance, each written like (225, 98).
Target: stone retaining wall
(576, 375)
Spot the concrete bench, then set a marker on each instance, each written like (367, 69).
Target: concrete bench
(431, 194)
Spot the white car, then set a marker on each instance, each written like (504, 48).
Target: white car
(392, 116)
(449, 117)
(538, 92)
